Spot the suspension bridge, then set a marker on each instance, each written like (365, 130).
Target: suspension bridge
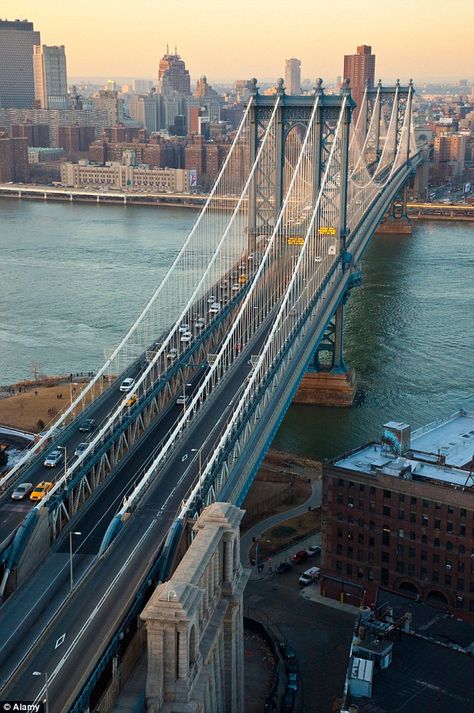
(256, 288)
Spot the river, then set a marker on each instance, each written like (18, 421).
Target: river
(74, 277)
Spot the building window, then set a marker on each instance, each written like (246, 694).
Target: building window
(387, 494)
(437, 523)
(450, 510)
(411, 570)
(462, 530)
(399, 567)
(360, 572)
(339, 549)
(372, 490)
(460, 585)
(449, 526)
(338, 566)
(386, 536)
(371, 526)
(411, 552)
(370, 575)
(340, 482)
(437, 506)
(351, 484)
(461, 549)
(401, 534)
(435, 576)
(360, 555)
(361, 487)
(401, 514)
(424, 521)
(436, 542)
(435, 558)
(385, 575)
(400, 550)
(426, 503)
(385, 556)
(413, 500)
(340, 498)
(371, 542)
(424, 555)
(447, 579)
(401, 498)
(386, 510)
(413, 517)
(412, 535)
(449, 546)
(424, 539)
(463, 512)
(349, 569)
(424, 573)
(360, 539)
(360, 504)
(372, 506)
(350, 552)
(339, 532)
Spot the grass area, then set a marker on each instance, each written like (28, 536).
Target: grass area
(288, 533)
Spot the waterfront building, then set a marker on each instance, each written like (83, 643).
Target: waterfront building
(125, 176)
(13, 159)
(49, 68)
(17, 87)
(293, 76)
(359, 69)
(399, 514)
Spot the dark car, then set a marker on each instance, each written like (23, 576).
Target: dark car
(286, 650)
(300, 556)
(288, 702)
(284, 567)
(87, 425)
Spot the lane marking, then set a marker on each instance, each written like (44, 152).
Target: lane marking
(60, 640)
(185, 457)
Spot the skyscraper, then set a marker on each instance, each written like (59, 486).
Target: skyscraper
(17, 87)
(293, 76)
(49, 68)
(174, 70)
(358, 69)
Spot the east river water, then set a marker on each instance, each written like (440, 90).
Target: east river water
(74, 277)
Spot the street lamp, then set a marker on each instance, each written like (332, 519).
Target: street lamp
(64, 448)
(46, 697)
(71, 574)
(198, 451)
(184, 396)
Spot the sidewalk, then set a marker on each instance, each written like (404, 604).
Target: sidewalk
(271, 564)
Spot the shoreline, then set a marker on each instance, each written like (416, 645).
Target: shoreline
(416, 211)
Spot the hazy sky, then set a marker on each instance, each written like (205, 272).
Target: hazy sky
(232, 40)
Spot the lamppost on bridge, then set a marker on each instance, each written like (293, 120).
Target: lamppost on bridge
(71, 573)
(64, 448)
(198, 451)
(46, 696)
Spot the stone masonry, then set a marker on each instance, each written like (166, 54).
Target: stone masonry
(194, 623)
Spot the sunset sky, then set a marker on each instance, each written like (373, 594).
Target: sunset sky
(226, 41)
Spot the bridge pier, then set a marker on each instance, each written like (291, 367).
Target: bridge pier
(331, 382)
(396, 222)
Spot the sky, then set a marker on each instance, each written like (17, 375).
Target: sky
(225, 40)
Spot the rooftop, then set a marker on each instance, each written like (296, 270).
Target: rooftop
(438, 451)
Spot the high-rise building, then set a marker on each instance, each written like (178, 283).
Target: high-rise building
(359, 69)
(173, 68)
(35, 134)
(293, 76)
(17, 87)
(13, 159)
(49, 68)
(110, 102)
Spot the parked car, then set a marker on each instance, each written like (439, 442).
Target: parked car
(127, 384)
(300, 556)
(80, 449)
(53, 459)
(284, 567)
(313, 550)
(311, 575)
(41, 490)
(22, 490)
(87, 425)
(286, 650)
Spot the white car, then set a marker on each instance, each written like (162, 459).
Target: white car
(127, 384)
(54, 458)
(182, 399)
(200, 323)
(80, 449)
(235, 287)
(186, 337)
(172, 354)
(184, 328)
(211, 299)
(21, 491)
(215, 308)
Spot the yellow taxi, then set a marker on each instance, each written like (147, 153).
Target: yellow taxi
(243, 279)
(40, 490)
(131, 401)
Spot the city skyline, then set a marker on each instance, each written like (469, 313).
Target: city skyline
(393, 31)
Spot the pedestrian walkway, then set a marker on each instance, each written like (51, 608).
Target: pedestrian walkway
(257, 530)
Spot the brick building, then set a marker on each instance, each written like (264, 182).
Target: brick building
(13, 159)
(75, 139)
(35, 134)
(400, 514)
